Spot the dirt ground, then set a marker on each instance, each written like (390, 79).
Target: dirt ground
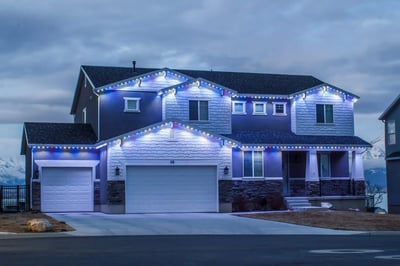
(16, 222)
(341, 220)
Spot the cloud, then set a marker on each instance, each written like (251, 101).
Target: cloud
(349, 43)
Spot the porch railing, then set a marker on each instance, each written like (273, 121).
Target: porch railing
(14, 198)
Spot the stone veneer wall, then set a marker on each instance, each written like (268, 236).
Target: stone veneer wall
(36, 203)
(251, 195)
(359, 188)
(116, 192)
(297, 188)
(335, 187)
(96, 195)
(313, 188)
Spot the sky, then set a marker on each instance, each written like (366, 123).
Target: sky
(353, 45)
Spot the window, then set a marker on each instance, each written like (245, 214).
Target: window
(132, 104)
(391, 132)
(239, 107)
(279, 108)
(84, 115)
(252, 163)
(324, 113)
(259, 108)
(198, 110)
(324, 165)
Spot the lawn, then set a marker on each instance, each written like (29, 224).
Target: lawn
(16, 222)
(340, 220)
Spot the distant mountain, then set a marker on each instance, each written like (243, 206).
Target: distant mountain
(374, 163)
(12, 171)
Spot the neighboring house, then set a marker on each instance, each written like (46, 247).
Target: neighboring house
(391, 118)
(165, 140)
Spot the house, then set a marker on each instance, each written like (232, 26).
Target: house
(391, 118)
(164, 140)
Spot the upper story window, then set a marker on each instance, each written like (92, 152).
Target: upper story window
(253, 164)
(132, 104)
(391, 132)
(324, 113)
(279, 108)
(239, 107)
(259, 108)
(84, 115)
(198, 110)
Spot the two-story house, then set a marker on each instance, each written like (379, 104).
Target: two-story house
(164, 140)
(391, 118)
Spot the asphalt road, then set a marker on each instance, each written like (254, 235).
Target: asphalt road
(202, 250)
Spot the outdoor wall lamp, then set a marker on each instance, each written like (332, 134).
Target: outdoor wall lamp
(117, 171)
(226, 170)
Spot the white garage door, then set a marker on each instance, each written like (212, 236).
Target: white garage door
(171, 189)
(65, 189)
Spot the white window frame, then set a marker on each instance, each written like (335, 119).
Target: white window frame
(325, 112)
(243, 112)
(252, 164)
(264, 112)
(84, 115)
(199, 110)
(127, 109)
(391, 132)
(284, 108)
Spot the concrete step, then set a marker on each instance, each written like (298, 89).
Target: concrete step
(293, 203)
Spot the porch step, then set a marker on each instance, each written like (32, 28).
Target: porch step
(297, 203)
(302, 204)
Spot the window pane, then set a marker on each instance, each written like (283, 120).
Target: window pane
(132, 104)
(328, 113)
(320, 113)
(392, 139)
(247, 163)
(203, 110)
(325, 165)
(259, 108)
(391, 127)
(258, 163)
(193, 110)
(238, 108)
(279, 108)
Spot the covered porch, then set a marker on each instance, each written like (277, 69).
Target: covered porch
(324, 172)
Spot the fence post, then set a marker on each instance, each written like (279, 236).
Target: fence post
(17, 198)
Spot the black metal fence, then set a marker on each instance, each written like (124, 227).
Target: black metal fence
(14, 198)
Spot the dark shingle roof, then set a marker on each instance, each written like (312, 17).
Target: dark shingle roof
(289, 138)
(390, 108)
(256, 83)
(59, 133)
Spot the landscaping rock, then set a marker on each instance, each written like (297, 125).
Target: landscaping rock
(39, 225)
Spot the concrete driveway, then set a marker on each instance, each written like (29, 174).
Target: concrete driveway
(93, 224)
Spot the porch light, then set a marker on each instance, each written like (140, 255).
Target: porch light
(226, 170)
(117, 171)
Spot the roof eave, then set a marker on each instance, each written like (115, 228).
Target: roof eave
(389, 108)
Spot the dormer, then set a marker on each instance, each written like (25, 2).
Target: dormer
(323, 110)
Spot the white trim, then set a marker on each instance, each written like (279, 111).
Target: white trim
(84, 115)
(284, 108)
(126, 107)
(243, 112)
(66, 163)
(264, 104)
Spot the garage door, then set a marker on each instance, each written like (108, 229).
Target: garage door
(66, 189)
(171, 189)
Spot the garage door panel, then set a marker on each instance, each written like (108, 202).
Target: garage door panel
(171, 189)
(66, 189)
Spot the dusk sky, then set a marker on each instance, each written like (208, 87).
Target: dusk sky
(354, 45)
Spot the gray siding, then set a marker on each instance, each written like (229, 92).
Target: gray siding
(176, 106)
(304, 115)
(394, 115)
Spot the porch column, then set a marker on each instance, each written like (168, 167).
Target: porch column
(357, 173)
(312, 176)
